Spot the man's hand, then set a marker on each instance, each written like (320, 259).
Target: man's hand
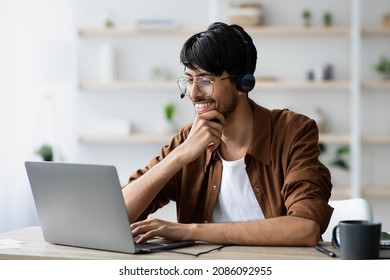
(206, 133)
(150, 228)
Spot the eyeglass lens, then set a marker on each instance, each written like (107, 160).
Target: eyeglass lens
(204, 85)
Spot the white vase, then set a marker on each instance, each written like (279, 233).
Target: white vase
(107, 69)
(168, 127)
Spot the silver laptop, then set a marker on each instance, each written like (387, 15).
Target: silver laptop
(82, 205)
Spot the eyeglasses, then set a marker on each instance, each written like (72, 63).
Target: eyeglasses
(205, 85)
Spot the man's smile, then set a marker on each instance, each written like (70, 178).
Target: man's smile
(204, 106)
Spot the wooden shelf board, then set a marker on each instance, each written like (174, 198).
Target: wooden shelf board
(334, 138)
(136, 138)
(298, 31)
(131, 138)
(171, 84)
(376, 191)
(367, 138)
(376, 85)
(323, 85)
(254, 31)
(376, 138)
(342, 192)
(158, 138)
(127, 32)
(129, 85)
(376, 31)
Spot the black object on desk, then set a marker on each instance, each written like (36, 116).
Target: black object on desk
(325, 251)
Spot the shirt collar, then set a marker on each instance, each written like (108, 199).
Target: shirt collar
(261, 141)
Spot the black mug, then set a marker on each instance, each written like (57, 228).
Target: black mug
(359, 240)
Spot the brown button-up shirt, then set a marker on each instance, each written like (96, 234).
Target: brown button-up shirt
(282, 165)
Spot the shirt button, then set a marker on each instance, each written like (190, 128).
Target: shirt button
(205, 222)
(214, 188)
(257, 190)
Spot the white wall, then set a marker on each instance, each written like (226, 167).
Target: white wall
(33, 30)
(36, 60)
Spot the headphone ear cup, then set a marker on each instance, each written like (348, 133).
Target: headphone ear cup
(245, 82)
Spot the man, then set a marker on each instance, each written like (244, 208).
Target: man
(240, 173)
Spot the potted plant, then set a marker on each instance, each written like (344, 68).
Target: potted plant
(327, 19)
(383, 67)
(46, 152)
(169, 112)
(108, 22)
(338, 159)
(306, 15)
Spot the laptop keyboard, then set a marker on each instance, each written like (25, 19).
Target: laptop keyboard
(385, 246)
(147, 245)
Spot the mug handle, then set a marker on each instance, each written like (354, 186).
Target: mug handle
(335, 241)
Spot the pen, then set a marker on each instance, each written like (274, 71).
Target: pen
(325, 251)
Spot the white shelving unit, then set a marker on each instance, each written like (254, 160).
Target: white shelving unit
(355, 86)
(330, 138)
(132, 138)
(254, 31)
(260, 85)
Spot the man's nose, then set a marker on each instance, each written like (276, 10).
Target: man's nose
(194, 91)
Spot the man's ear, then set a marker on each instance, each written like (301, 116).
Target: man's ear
(240, 93)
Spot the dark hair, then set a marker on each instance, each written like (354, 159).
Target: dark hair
(220, 48)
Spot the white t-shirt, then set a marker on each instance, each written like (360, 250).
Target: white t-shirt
(236, 200)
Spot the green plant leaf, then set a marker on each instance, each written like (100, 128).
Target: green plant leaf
(383, 65)
(342, 150)
(169, 111)
(46, 152)
(323, 147)
(340, 163)
(306, 14)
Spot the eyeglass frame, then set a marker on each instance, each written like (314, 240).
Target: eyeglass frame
(197, 84)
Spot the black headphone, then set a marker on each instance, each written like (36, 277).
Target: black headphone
(245, 82)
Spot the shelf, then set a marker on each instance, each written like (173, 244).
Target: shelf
(323, 85)
(127, 32)
(339, 138)
(298, 31)
(327, 138)
(376, 138)
(132, 138)
(129, 85)
(171, 84)
(376, 31)
(260, 85)
(376, 85)
(159, 138)
(334, 138)
(255, 31)
(341, 192)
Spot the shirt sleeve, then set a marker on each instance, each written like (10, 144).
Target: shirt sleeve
(169, 191)
(307, 186)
